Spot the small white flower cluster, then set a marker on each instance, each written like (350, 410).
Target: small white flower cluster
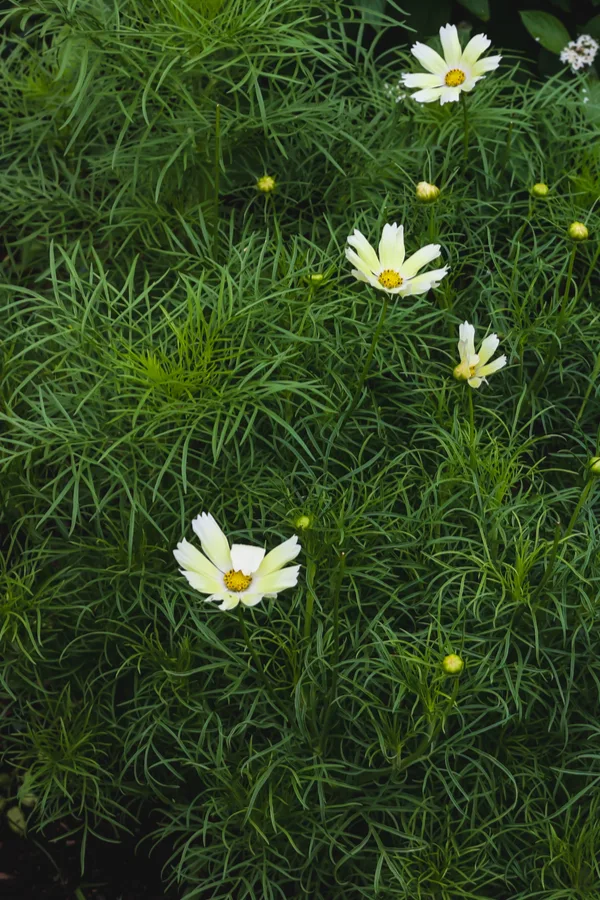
(580, 53)
(394, 91)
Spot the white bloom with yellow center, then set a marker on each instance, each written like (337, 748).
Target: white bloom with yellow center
(237, 574)
(474, 367)
(389, 270)
(458, 70)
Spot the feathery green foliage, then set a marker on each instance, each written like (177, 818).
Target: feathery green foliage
(165, 351)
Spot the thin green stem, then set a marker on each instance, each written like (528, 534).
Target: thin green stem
(217, 177)
(590, 387)
(367, 365)
(336, 645)
(255, 657)
(463, 100)
(311, 569)
(471, 425)
(544, 367)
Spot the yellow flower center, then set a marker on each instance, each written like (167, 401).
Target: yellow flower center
(455, 77)
(236, 580)
(390, 279)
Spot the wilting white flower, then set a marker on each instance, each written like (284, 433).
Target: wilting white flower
(458, 70)
(390, 271)
(474, 367)
(580, 53)
(240, 573)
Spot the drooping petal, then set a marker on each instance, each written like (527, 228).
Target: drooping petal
(475, 381)
(214, 543)
(420, 284)
(245, 558)
(488, 348)
(450, 45)
(279, 556)
(387, 247)
(485, 65)
(230, 601)
(251, 599)
(478, 44)
(428, 95)
(190, 558)
(492, 367)
(358, 261)
(429, 59)
(449, 95)
(203, 583)
(419, 259)
(276, 581)
(420, 80)
(466, 342)
(364, 250)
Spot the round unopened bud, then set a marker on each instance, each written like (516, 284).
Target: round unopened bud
(16, 821)
(266, 184)
(540, 190)
(317, 278)
(427, 193)
(452, 664)
(29, 801)
(302, 522)
(594, 466)
(578, 231)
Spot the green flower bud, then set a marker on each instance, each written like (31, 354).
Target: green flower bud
(427, 193)
(317, 278)
(452, 664)
(302, 523)
(594, 466)
(578, 231)
(540, 190)
(16, 821)
(266, 184)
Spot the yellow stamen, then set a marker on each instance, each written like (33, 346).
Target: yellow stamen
(236, 580)
(390, 279)
(455, 77)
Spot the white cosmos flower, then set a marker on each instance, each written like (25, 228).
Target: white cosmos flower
(390, 271)
(240, 573)
(458, 70)
(474, 367)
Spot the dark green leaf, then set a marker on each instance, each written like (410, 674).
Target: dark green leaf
(479, 8)
(546, 29)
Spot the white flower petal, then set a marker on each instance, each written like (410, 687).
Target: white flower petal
(230, 601)
(276, 581)
(190, 558)
(429, 59)
(360, 276)
(478, 44)
(388, 256)
(450, 45)
(251, 599)
(485, 65)
(421, 80)
(245, 558)
(491, 367)
(475, 382)
(358, 262)
(449, 95)
(203, 583)
(428, 95)
(419, 259)
(488, 348)
(364, 250)
(279, 556)
(466, 342)
(214, 543)
(422, 283)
